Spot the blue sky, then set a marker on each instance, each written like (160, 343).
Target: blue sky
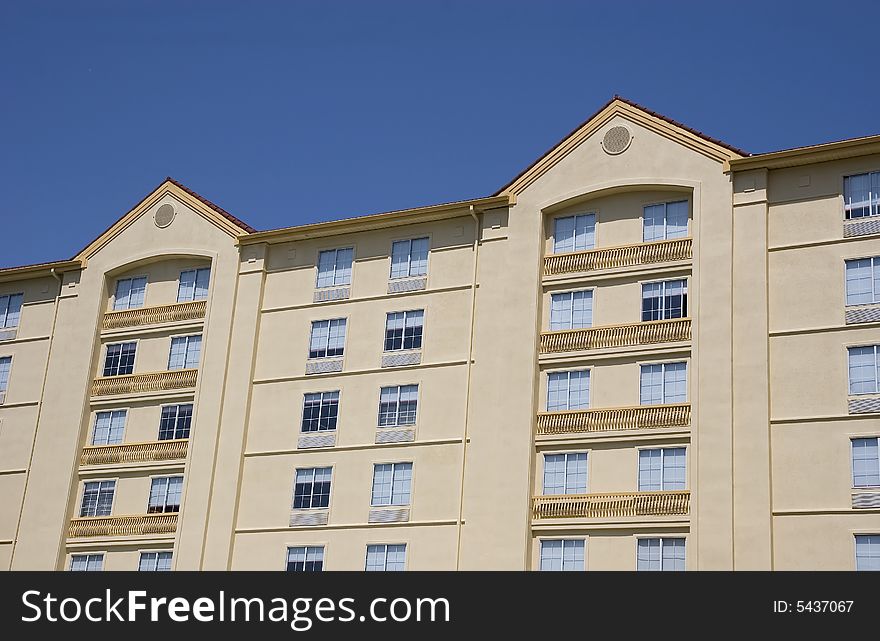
(293, 112)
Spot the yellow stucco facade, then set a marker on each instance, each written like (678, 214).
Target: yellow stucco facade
(645, 352)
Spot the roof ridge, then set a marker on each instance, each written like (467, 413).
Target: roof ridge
(234, 219)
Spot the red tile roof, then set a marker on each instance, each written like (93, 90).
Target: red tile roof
(236, 221)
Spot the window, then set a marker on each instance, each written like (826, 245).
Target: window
(403, 330)
(155, 562)
(571, 310)
(565, 473)
(97, 498)
(175, 422)
(663, 383)
(165, 494)
(119, 359)
(662, 469)
(109, 427)
(334, 267)
(863, 369)
(10, 310)
(386, 558)
(562, 555)
(130, 293)
(661, 554)
(86, 562)
(665, 221)
(863, 281)
(320, 411)
(398, 405)
(574, 233)
(193, 284)
(327, 339)
(312, 488)
(5, 366)
(391, 484)
(568, 391)
(866, 462)
(861, 195)
(664, 300)
(185, 352)
(309, 558)
(409, 258)
(868, 552)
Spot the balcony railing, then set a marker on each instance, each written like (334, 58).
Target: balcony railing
(137, 525)
(621, 504)
(137, 383)
(615, 418)
(647, 333)
(192, 310)
(134, 452)
(624, 256)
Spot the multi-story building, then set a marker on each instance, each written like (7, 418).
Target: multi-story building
(650, 350)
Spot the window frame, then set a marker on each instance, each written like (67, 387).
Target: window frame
(385, 557)
(553, 240)
(305, 548)
(662, 448)
(326, 348)
(82, 496)
(566, 453)
(852, 460)
(177, 406)
(403, 348)
(311, 494)
(875, 293)
(158, 553)
(209, 269)
(847, 207)
(398, 424)
(107, 346)
(409, 493)
(876, 390)
(664, 281)
(409, 260)
(114, 298)
(666, 203)
(571, 292)
(588, 370)
(188, 338)
(856, 535)
(167, 478)
(4, 314)
(663, 364)
(302, 420)
(661, 537)
(111, 412)
(4, 389)
(335, 250)
(71, 556)
(564, 540)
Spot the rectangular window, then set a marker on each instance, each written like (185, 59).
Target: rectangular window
(119, 359)
(568, 391)
(861, 195)
(661, 554)
(176, 422)
(86, 562)
(574, 233)
(97, 498)
(193, 285)
(662, 469)
(386, 558)
(403, 330)
(10, 310)
(185, 352)
(391, 484)
(5, 367)
(307, 558)
(571, 310)
(155, 562)
(109, 427)
(863, 281)
(312, 488)
(327, 338)
(398, 405)
(868, 552)
(409, 258)
(866, 462)
(565, 473)
(663, 383)
(863, 366)
(165, 494)
(320, 411)
(665, 221)
(565, 555)
(664, 300)
(334, 267)
(130, 293)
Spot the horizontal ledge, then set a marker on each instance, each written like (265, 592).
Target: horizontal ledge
(581, 523)
(19, 404)
(356, 372)
(134, 397)
(678, 523)
(432, 290)
(364, 446)
(617, 272)
(102, 469)
(15, 471)
(827, 511)
(345, 526)
(133, 539)
(23, 339)
(821, 243)
(609, 353)
(146, 330)
(613, 436)
(822, 418)
(822, 330)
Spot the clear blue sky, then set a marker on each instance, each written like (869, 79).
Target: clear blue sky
(293, 112)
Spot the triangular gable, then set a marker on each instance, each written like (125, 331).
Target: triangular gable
(637, 114)
(202, 206)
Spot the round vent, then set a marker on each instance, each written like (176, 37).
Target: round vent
(164, 215)
(616, 140)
